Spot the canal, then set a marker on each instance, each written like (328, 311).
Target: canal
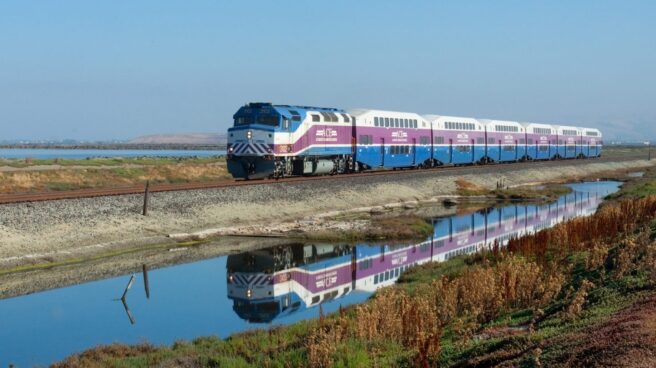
(258, 289)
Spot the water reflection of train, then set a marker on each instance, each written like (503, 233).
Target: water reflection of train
(270, 283)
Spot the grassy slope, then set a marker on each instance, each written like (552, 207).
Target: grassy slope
(537, 306)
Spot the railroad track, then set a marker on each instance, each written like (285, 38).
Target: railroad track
(139, 189)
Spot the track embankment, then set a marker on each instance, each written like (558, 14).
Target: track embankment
(52, 231)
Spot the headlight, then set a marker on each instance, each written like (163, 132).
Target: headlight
(249, 134)
(249, 293)
(230, 278)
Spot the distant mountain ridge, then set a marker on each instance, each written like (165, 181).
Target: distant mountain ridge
(181, 138)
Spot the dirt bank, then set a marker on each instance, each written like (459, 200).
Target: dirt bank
(52, 231)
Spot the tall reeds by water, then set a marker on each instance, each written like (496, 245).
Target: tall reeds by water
(529, 272)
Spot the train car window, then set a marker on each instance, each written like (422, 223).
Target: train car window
(480, 140)
(522, 141)
(397, 124)
(295, 115)
(530, 141)
(376, 121)
(347, 119)
(371, 139)
(315, 299)
(326, 118)
(414, 122)
(490, 141)
(316, 118)
(375, 279)
(439, 140)
(544, 148)
(387, 123)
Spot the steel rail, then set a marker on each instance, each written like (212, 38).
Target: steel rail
(168, 187)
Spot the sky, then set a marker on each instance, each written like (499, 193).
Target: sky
(123, 68)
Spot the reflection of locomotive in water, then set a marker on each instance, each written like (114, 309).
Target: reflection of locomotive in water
(274, 282)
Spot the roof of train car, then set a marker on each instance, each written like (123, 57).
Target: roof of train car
(434, 117)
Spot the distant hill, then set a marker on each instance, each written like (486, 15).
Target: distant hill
(181, 138)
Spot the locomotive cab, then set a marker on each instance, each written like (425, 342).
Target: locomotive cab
(251, 139)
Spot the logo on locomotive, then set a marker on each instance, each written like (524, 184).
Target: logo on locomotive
(326, 135)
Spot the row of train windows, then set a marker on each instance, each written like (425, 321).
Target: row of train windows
(399, 150)
(461, 251)
(592, 134)
(506, 128)
(395, 122)
(328, 296)
(569, 132)
(459, 126)
(391, 274)
(330, 117)
(541, 130)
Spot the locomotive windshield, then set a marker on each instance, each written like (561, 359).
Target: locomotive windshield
(271, 120)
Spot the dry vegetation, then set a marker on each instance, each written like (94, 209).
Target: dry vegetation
(520, 305)
(544, 193)
(103, 173)
(404, 227)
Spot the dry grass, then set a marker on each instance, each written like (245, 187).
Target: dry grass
(67, 179)
(545, 193)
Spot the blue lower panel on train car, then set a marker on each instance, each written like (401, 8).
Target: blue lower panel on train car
(506, 153)
(543, 152)
(392, 156)
(458, 154)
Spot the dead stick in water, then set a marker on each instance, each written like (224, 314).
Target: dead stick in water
(145, 278)
(125, 292)
(145, 204)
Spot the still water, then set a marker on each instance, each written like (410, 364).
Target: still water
(94, 153)
(258, 289)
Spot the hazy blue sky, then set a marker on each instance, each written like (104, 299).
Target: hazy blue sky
(118, 69)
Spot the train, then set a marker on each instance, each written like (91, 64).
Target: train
(275, 141)
(269, 284)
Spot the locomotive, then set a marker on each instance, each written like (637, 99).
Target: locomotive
(273, 141)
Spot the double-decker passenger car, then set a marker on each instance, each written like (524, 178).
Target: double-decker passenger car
(457, 140)
(281, 140)
(541, 141)
(389, 139)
